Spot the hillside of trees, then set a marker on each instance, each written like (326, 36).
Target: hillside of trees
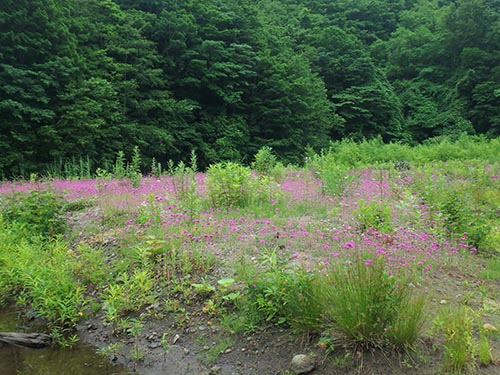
(89, 78)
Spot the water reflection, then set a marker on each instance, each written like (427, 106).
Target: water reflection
(80, 360)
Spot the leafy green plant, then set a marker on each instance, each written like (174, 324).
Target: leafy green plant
(111, 351)
(38, 274)
(137, 354)
(335, 176)
(484, 350)
(156, 168)
(212, 352)
(120, 168)
(89, 265)
(184, 185)
(233, 185)
(73, 168)
(227, 185)
(265, 161)
(133, 170)
(275, 292)
(39, 212)
(130, 294)
(456, 325)
(374, 214)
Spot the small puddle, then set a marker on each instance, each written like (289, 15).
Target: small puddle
(82, 359)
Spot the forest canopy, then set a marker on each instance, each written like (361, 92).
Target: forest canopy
(90, 78)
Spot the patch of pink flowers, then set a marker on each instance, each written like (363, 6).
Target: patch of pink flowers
(306, 225)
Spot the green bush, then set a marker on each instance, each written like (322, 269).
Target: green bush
(233, 185)
(265, 161)
(38, 274)
(277, 293)
(334, 175)
(374, 215)
(39, 212)
(228, 185)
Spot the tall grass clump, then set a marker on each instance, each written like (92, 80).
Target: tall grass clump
(367, 306)
(359, 303)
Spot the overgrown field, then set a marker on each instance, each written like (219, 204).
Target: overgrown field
(367, 248)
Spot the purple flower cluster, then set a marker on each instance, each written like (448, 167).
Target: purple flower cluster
(305, 224)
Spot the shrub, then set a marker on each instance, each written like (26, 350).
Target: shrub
(40, 212)
(228, 185)
(36, 273)
(279, 294)
(232, 185)
(265, 161)
(374, 215)
(334, 175)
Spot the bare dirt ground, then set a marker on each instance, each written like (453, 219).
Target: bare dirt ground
(200, 346)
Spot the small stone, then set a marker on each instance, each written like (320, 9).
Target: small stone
(302, 364)
(186, 351)
(443, 302)
(154, 345)
(206, 347)
(176, 338)
(215, 370)
(243, 349)
(489, 327)
(228, 350)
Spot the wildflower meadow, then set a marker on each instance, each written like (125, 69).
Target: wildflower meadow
(356, 253)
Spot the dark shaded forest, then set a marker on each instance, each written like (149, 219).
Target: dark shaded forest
(89, 78)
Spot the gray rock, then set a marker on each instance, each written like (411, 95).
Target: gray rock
(302, 364)
(215, 370)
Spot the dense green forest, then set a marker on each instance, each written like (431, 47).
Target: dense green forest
(88, 78)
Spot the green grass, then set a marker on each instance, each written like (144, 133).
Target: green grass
(369, 307)
(491, 270)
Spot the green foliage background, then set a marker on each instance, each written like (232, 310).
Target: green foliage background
(88, 78)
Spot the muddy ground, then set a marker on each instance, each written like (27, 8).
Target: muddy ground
(195, 349)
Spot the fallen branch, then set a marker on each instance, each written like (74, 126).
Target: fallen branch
(29, 340)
